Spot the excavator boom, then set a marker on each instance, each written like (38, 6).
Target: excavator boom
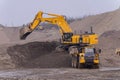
(53, 19)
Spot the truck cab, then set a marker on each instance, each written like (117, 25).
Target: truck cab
(91, 56)
(86, 56)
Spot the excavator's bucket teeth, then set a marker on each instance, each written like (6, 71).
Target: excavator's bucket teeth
(23, 37)
(24, 32)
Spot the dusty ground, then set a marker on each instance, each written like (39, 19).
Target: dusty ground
(59, 74)
(36, 58)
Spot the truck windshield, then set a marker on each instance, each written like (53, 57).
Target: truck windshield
(89, 52)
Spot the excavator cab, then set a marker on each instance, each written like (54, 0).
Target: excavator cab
(67, 36)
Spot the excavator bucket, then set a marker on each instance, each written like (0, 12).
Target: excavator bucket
(24, 32)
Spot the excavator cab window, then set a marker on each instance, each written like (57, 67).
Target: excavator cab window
(65, 17)
(67, 36)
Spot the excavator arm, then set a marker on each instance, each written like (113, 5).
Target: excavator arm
(59, 20)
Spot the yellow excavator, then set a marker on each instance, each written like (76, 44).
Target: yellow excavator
(80, 46)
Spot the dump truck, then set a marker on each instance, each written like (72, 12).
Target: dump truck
(80, 46)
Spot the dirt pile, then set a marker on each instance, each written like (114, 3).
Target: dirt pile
(12, 33)
(4, 39)
(108, 42)
(5, 60)
(38, 54)
(44, 35)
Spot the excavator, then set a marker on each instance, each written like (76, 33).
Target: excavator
(80, 46)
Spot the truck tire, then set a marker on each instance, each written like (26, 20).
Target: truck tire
(77, 61)
(73, 62)
(96, 66)
(81, 66)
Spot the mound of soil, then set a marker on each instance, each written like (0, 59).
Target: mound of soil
(38, 54)
(108, 42)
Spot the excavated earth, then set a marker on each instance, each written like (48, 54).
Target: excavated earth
(38, 55)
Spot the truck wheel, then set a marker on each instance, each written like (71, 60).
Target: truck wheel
(77, 64)
(77, 61)
(73, 62)
(80, 65)
(96, 66)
